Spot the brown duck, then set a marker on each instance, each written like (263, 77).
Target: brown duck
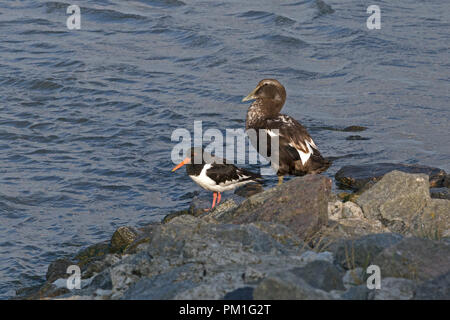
(297, 153)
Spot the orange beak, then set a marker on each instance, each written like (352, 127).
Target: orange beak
(182, 163)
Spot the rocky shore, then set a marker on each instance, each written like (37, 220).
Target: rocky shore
(294, 241)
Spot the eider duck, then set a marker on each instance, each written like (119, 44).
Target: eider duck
(298, 154)
(214, 174)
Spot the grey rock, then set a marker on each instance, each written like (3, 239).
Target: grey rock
(301, 204)
(357, 176)
(395, 289)
(161, 287)
(353, 277)
(360, 292)
(414, 258)
(288, 286)
(434, 221)
(360, 252)
(321, 275)
(311, 256)
(434, 289)
(199, 204)
(396, 200)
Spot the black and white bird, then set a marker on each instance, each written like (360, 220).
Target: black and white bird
(297, 153)
(214, 174)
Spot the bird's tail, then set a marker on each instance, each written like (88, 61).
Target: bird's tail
(251, 175)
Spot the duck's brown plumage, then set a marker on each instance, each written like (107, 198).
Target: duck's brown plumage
(297, 154)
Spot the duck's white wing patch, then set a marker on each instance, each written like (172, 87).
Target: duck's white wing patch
(304, 156)
(272, 133)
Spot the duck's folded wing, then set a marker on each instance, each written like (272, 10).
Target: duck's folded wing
(293, 138)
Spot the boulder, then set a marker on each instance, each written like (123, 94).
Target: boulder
(434, 289)
(395, 289)
(58, 269)
(396, 200)
(122, 238)
(357, 176)
(288, 286)
(361, 252)
(301, 204)
(434, 221)
(249, 190)
(321, 275)
(414, 258)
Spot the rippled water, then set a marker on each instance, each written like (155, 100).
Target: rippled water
(87, 115)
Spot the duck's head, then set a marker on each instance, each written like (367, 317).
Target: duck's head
(268, 91)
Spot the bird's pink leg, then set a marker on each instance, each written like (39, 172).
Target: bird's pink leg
(219, 197)
(214, 201)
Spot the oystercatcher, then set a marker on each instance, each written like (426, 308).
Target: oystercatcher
(297, 153)
(212, 173)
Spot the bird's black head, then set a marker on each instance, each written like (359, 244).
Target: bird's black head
(197, 157)
(269, 90)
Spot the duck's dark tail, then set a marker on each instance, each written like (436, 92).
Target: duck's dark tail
(318, 164)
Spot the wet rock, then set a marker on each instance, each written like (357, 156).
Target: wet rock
(321, 275)
(395, 289)
(356, 177)
(414, 258)
(249, 190)
(440, 193)
(288, 286)
(354, 129)
(446, 182)
(48, 290)
(351, 254)
(323, 7)
(172, 215)
(91, 253)
(396, 200)
(301, 204)
(199, 204)
(356, 137)
(122, 238)
(58, 269)
(434, 289)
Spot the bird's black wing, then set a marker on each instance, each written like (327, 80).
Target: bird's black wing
(228, 174)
